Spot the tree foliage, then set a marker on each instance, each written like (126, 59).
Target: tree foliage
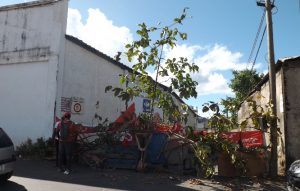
(210, 146)
(146, 54)
(241, 84)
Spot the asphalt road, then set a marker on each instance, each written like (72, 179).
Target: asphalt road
(37, 175)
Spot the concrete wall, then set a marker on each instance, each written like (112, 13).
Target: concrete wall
(292, 107)
(261, 96)
(85, 76)
(30, 47)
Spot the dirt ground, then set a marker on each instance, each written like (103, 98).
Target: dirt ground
(31, 175)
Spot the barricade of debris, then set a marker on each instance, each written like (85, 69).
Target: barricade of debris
(132, 143)
(141, 143)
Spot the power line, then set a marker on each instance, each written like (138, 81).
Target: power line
(256, 37)
(261, 40)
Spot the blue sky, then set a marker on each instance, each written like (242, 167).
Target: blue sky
(220, 33)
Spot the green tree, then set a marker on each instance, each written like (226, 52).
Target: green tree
(241, 84)
(146, 54)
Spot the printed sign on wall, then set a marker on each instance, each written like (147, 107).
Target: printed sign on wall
(77, 105)
(146, 105)
(65, 104)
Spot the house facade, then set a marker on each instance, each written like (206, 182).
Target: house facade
(30, 55)
(288, 109)
(44, 72)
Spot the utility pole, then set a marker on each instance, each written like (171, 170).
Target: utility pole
(272, 88)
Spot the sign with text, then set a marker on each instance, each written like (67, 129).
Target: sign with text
(247, 138)
(146, 105)
(77, 105)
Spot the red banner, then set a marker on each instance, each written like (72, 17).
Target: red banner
(248, 138)
(252, 138)
(233, 136)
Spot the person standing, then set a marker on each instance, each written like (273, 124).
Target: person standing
(67, 132)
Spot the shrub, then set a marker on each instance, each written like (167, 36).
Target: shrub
(38, 149)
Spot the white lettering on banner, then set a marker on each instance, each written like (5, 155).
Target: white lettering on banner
(250, 140)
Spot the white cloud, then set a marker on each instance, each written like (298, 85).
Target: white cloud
(214, 83)
(212, 62)
(265, 72)
(219, 58)
(101, 33)
(182, 51)
(98, 31)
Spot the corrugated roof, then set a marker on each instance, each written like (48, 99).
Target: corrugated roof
(119, 64)
(28, 4)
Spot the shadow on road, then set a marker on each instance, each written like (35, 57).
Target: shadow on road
(106, 178)
(254, 183)
(11, 186)
(131, 180)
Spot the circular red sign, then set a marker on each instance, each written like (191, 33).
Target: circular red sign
(77, 107)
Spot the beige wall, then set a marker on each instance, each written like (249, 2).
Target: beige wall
(261, 97)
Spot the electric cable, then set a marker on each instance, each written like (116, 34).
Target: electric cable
(261, 40)
(256, 37)
(273, 4)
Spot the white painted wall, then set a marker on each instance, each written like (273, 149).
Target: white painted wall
(86, 75)
(30, 50)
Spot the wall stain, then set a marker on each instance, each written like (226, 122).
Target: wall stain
(6, 18)
(3, 41)
(23, 40)
(25, 21)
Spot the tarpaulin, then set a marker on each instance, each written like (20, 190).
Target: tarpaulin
(235, 137)
(246, 138)
(126, 115)
(252, 138)
(176, 128)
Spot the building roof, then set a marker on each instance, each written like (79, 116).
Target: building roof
(265, 79)
(117, 63)
(28, 4)
(96, 52)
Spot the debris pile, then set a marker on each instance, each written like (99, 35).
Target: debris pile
(133, 143)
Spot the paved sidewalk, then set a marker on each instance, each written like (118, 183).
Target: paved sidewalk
(38, 175)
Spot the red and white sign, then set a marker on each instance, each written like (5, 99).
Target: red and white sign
(77, 105)
(232, 136)
(247, 138)
(252, 138)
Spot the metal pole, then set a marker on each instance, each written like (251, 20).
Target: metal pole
(272, 86)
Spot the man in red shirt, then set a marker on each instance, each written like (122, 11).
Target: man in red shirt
(67, 137)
